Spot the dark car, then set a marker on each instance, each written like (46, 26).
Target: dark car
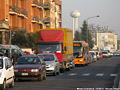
(30, 67)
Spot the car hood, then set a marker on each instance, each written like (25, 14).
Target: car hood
(49, 62)
(27, 66)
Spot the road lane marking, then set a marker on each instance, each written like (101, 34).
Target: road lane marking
(73, 74)
(99, 74)
(86, 74)
(113, 75)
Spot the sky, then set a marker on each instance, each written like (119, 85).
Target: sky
(108, 10)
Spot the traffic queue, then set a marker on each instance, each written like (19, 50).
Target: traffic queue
(55, 53)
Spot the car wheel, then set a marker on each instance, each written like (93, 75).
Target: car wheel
(40, 78)
(12, 84)
(3, 86)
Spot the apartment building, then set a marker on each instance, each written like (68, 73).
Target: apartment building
(31, 15)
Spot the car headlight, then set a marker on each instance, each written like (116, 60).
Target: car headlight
(80, 60)
(15, 70)
(34, 70)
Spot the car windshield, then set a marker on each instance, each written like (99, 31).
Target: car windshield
(47, 57)
(28, 60)
(1, 63)
(50, 48)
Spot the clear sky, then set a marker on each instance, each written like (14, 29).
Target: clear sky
(108, 10)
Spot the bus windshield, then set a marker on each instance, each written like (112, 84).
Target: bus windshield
(78, 51)
(50, 48)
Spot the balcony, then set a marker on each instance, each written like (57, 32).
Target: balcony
(14, 9)
(41, 21)
(46, 5)
(34, 3)
(47, 20)
(35, 19)
(23, 13)
(14, 28)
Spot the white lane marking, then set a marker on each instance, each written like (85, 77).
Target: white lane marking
(99, 74)
(113, 75)
(73, 74)
(86, 74)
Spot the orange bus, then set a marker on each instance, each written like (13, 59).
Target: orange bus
(81, 52)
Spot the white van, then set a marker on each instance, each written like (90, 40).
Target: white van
(5, 49)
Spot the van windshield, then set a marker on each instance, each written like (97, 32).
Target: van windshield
(1, 63)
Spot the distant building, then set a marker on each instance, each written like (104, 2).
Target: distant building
(107, 39)
(103, 37)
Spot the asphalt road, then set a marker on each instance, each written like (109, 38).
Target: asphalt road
(100, 74)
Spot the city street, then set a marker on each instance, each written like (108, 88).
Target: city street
(100, 74)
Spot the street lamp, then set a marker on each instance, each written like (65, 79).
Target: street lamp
(87, 24)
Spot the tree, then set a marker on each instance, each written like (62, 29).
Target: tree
(84, 30)
(24, 39)
(77, 36)
(86, 35)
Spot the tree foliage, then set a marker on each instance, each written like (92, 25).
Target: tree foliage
(24, 39)
(77, 36)
(85, 35)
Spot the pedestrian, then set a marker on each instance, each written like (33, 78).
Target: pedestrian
(15, 56)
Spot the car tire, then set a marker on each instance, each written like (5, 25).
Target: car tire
(3, 86)
(40, 78)
(12, 84)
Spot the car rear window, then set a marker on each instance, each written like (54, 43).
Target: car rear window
(47, 57)
(1, 63)
(28, 60)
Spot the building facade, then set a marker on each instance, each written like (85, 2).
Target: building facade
(31, 15)
(107, 39)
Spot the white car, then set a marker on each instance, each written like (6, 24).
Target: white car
(106, 54)
(94, 55)
(6, 73)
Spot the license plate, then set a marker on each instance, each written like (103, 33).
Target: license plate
(24, 74)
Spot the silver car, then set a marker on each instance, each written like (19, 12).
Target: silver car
(52, 63)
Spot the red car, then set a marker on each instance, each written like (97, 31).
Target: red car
(30, 67)
(101, 56)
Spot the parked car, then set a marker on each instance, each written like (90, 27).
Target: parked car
(52, 63)
(106, 54)
(6, 73)
(94, 55)
(91, 57)
(97, 54)
(30, 67)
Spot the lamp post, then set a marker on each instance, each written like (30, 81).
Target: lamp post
(87, 24)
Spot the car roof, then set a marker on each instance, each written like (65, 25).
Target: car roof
(30, 56)
(45, 53)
